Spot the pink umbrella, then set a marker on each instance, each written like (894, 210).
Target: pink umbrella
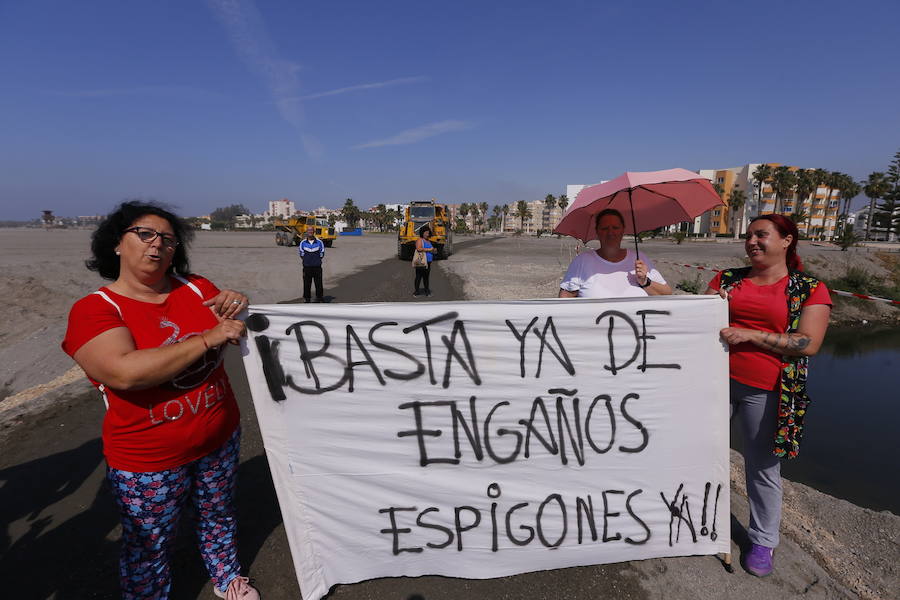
(647, 200)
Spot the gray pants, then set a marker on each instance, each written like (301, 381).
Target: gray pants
(757, 410)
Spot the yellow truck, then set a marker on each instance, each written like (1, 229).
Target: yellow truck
(419, 214)
(289, 232)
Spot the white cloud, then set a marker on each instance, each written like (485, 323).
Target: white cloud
(417, 134)
(365, 86)
(251, 42)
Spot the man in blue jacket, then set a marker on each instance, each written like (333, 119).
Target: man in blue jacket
(312, 252)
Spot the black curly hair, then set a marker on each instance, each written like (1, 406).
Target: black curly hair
(108, 234)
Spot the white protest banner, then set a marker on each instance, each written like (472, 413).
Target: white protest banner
(482, 439)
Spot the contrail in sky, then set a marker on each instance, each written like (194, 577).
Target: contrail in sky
(247, 32)
(365, 86)
(417, 134)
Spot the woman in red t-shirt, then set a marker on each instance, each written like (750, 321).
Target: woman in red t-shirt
(762, 337)
(152, 342)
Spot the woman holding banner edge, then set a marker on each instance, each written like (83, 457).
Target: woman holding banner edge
(611, 271)
(777, 316)
(152, 341)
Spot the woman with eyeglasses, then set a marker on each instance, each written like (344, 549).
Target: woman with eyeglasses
(152, 342)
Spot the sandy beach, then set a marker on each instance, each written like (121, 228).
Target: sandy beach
(832, 549)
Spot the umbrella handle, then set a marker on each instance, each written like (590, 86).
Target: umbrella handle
(633, 226)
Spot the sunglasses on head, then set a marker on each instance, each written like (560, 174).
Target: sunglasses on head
(147, 235)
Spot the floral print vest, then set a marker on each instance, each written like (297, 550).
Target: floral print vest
(793, 400)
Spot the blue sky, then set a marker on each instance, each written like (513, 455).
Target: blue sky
(204, 104)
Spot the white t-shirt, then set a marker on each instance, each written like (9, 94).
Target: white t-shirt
(595, 277)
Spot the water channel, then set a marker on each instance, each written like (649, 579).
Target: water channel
(851, 446)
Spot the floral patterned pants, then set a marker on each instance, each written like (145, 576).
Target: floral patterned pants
(150, 505)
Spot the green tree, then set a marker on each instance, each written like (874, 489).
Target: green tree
(391, 218)
(736, 203)
(350, 213)
(463, 211)
(379, 216)
(496, 217)
(549, 205)
(874, 188)
(783, 183)
(805, 187)
(761, 175)
(483, 207)
(833, 181)
(798, 217)
(505, 211)
(849, 190)
(847, 238)
(523, 212)
(888, 209)
(562, 202)
(223, 218)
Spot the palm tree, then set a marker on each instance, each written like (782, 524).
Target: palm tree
(874, 188)
(549, 203)
(761, 175)
(522, 212)
(736, 203)
(484, 208)
(798, 217)
(887, 210)
(833, 181)
(464, 213)
(783, 182)
(819, 178)
(350, 213)
(497, 215)
(849, 190)
(505, 214)
(805, 187)
(562, 202)
(380, 216)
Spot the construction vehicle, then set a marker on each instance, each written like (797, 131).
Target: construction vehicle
(291, 231)
(420, 214)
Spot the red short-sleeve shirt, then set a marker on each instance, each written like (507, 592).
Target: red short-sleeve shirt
(764, 308)
(173, 423)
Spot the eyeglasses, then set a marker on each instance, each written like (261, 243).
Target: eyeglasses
(147, 235)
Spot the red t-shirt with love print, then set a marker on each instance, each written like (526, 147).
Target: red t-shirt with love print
(176, 422)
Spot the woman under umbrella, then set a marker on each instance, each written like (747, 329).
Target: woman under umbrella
(612, 271)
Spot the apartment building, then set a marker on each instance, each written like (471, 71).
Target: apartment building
(283, 208)
(820, 208)
(541, 217)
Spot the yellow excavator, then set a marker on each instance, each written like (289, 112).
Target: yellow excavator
(290, 232)
(420, 214)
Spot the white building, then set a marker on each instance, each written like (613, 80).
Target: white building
(283, 208)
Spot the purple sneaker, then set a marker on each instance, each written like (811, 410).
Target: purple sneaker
(758, 561)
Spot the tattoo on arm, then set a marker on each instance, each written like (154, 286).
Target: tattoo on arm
(790, 343)
(797, 342)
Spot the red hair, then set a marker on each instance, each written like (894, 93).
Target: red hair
(785, 228)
